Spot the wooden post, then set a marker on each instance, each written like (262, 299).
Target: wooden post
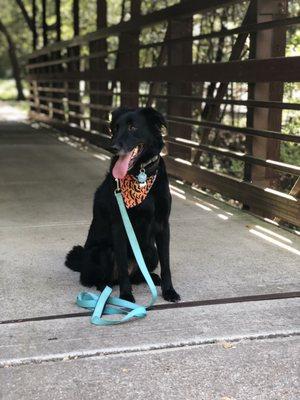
(268, 43)
(74, 51)
(56, 55)
(99, 64)
(44, 57)
(251, 94)
(130, 40)
(156, 87)
(212, 112)
(33, 86)
(179, 54)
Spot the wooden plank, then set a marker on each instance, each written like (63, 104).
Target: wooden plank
(57, 96)
(283, 69)
(198, 99)
(237, 129)
(247, 28)
(75, 116)
(66, 60)
(223, 33)
(100, 140)
(266, 202)
(223, 152)
(74, 94)
(189, 121)
(75, 103)
(180, 10)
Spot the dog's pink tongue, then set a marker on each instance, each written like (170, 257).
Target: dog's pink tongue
(121, 166)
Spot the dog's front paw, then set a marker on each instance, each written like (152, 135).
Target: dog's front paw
(171, 295)
(128, 297)
(101, 286)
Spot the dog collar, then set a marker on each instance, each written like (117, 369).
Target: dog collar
(133, 192)
(150, 166)
(152, 160)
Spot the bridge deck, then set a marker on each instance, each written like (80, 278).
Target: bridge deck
(199, 351)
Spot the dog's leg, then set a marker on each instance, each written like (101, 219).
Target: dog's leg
(150, 255)
(121, 257)
(163, 247)
(95, 268)
(138, 278)
(103, 274)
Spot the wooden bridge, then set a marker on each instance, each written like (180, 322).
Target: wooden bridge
(76, 83)
(235, 333)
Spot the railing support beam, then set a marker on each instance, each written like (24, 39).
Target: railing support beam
(131, 60)
(268, 43)
(180, 54)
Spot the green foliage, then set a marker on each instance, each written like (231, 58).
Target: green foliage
(7, 89)
(14, 21)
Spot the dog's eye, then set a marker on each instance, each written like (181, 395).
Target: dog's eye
(132, 128)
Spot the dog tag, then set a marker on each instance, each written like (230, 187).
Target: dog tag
(142, 177)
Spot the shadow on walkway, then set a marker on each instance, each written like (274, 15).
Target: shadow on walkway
(46, 192)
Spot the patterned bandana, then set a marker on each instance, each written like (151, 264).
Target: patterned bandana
(133, 192)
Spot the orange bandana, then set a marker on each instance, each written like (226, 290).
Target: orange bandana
(133, 192)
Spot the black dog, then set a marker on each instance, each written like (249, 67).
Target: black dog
(106, 257)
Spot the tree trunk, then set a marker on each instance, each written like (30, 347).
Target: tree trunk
(44, 22)
(30, 21)
(58, 20)
(34, 30)
(14, 61)
(76, 17)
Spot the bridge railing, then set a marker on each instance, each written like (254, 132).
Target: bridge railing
(75, 84)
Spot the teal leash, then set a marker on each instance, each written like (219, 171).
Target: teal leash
(105, 304)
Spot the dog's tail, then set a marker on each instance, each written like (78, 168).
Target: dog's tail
(74, 259)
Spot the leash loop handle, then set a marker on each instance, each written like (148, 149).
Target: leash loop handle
(105, 304)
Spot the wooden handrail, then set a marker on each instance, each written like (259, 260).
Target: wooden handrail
(180, 10)
(284, 69)
(290, 169)
(222, 33)
(193, 99)
(236, 129)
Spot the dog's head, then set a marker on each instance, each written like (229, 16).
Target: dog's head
(136, 137)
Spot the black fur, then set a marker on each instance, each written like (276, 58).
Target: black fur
(106, 257)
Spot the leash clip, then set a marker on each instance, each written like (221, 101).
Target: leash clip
(117, 190)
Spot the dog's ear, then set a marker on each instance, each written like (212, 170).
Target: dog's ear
(158, 126)
(155, 118)
(116, 114)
